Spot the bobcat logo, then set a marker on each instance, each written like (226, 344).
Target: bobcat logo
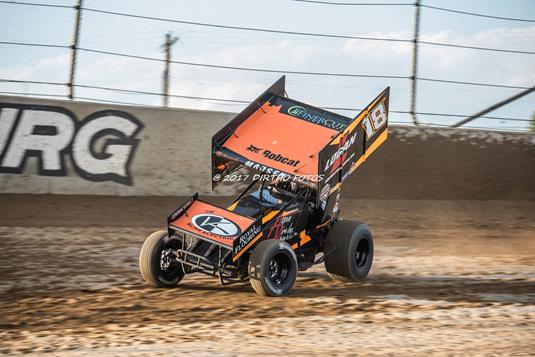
(254, 149)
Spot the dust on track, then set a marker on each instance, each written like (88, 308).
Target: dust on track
(449, 277)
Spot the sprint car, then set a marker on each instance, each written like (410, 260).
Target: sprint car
(287, 218)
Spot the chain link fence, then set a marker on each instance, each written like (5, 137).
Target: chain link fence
(336, 55)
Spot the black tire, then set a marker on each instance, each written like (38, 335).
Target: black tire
(352, 257)
(150, 265)
(272, 268)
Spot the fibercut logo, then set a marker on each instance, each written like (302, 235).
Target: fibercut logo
(297, 111)
(302, 113)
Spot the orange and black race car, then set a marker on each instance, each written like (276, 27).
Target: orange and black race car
(286, 220)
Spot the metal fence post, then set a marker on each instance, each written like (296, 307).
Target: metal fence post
(74, 47)
(412, 96)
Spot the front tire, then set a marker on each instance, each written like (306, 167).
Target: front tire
(153, 260)
(272, 268)
(352, 257)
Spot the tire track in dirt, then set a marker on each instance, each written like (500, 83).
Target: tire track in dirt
(443, 282)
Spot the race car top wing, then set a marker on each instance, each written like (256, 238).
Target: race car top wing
(280, 137)
(350, 148)
(221, 165)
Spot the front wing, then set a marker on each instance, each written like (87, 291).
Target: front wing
(216, 225)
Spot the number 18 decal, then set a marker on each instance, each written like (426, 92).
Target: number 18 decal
(375, 120)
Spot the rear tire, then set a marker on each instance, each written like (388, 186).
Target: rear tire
(272, 268)
(352, 257)
(150, 260)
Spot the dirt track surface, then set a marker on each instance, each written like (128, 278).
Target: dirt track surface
(449, 278)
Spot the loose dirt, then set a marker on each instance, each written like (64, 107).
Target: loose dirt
(449, 278)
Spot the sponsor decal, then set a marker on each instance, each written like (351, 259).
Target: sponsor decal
(274, 156)
(279, 158)
(325, 191)
(337, 203)
(181, 209)
(303, 113)
(215, 224)
(254, 149)
(283, 228)
(340, 154)
(246, 237)
(268, 170)
(101, 147)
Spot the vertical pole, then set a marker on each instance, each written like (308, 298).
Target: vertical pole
(74, 47)
(169, 42)
(412, 98)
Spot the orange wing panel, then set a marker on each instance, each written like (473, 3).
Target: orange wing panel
(212, 222)
(279, 141)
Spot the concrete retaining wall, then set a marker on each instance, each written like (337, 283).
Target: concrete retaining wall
(449, 164)
(123, 150)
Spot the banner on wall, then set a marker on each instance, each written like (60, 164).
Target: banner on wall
(101, 146)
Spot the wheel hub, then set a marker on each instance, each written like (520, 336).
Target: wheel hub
(167, 258)
(278, 269)
(361, 253)
(273, 269)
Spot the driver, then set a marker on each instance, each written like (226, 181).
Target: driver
(265, 194)
(271, 192)
(286, 186)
